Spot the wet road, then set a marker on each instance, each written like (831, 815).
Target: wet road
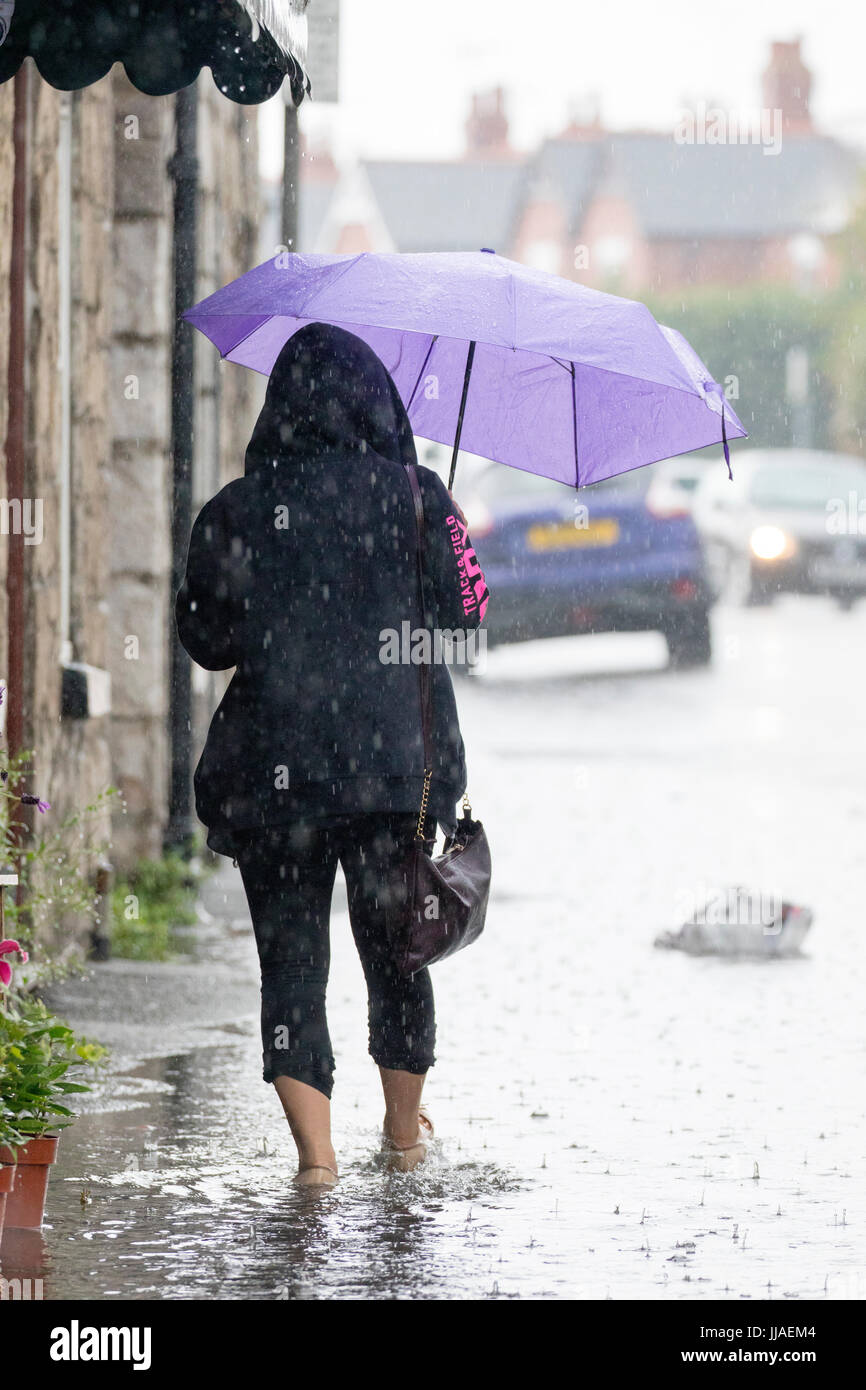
(615, 1121)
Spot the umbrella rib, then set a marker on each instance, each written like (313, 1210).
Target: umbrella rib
(574, 424)
(299, 314)
(266, 318)
(433, 342)
(470, 358)
(344, 270)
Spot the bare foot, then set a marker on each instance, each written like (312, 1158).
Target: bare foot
(403, 1158)
(316, 1177)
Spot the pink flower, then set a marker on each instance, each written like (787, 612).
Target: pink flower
(8, 948)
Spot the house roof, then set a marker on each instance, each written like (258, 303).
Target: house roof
(701, 190)
(736, 190)
(569, 168)
(439, 206)
(677, 191)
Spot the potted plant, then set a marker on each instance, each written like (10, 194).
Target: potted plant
(10, 1137)
(50, 869)
(9, 1140)
(38, 1052)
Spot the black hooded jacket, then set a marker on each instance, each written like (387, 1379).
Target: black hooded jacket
(295, 574)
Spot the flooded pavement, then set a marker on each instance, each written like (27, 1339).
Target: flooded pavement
(614, 1121)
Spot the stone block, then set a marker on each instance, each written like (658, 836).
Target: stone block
(142, 187)
(142, 279)
(139, 755)
(139, 392)
(139, 508)
(138, 648)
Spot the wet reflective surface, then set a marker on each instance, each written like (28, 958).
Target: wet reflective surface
(205, 1213)
(612, 1120)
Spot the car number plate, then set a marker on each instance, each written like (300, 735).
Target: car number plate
(564, 535)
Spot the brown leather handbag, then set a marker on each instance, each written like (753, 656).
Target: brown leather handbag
(447, 896)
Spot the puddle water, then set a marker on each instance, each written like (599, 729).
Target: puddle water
(172, 1193)
(613, 1121)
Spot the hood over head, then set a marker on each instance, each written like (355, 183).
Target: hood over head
(329, 392)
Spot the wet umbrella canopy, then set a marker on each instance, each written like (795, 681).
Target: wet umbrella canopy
(250, 45)
(520, 366)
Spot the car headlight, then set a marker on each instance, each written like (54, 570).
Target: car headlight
(771, 543)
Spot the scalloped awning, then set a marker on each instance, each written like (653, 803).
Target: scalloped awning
(249, 45)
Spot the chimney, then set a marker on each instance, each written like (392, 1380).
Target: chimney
(786, 84)
(487, 127)
(584, 122)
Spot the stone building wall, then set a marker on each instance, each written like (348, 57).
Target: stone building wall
(229, 214)
(140, 478)
(70, 762)
(74, 753)
(121, 315)
(7, 165)
(141, 614)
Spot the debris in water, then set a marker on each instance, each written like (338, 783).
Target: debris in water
(739, 923)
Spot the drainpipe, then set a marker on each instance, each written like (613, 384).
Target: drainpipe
(16, 435)
(291, 171)
(183, 168)
(64, 286)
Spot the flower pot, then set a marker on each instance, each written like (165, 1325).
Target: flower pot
(25, 1204)
(7, 1181)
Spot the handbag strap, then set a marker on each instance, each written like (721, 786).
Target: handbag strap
(424, 674)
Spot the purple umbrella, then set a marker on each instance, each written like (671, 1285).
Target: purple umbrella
(514, 364)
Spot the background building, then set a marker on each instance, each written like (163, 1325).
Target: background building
(636, 211)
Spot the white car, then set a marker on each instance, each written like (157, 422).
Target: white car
(792, 520)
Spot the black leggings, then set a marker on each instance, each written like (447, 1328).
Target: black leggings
(288, 875)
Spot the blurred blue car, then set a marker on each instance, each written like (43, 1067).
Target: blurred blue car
(618, 556)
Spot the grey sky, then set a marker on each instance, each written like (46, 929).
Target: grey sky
(409, 66)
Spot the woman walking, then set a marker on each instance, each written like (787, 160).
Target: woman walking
(298, 575)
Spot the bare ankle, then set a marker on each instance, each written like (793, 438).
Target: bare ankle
(317, 1158)
(401, 1133)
